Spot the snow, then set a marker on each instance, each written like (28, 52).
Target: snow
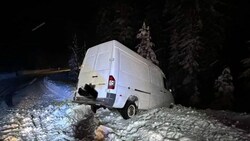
(43, 111)
(164, 124)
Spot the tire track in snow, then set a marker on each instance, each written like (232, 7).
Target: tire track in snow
(34, 117)
(60, 91)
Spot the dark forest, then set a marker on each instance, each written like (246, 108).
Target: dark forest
(202, 46)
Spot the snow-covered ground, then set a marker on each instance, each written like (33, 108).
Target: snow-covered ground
(164, 124)
(43, 111)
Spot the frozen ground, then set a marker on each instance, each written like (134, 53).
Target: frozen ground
(164, 124)
(43, 112)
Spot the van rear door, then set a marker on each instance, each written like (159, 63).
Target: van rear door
(96, 68)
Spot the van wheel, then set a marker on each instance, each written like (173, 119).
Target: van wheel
(171, 106)
(129, 110)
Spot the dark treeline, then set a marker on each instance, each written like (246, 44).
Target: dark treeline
(201, 46)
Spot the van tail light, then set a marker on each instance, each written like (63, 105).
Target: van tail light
(111, 82)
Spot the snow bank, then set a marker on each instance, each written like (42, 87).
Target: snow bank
(54, 122)
(43, 112)
(47, 123)
(60, 90)
(164, 124)
(37, 117)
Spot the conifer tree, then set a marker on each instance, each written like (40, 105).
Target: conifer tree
(243, 82)
(195, 33)
(76, 57)
(224, 90)
(185, 26)
(246, 64)
(144, 48)
(114, 22)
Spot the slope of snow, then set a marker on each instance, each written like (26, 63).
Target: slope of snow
(164, 124)
(43, 112)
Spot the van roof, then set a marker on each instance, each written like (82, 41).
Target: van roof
(123, 47)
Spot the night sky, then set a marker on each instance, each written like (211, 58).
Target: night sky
(47, 46)
(25, 46)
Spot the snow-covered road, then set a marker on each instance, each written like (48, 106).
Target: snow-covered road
(43, 111)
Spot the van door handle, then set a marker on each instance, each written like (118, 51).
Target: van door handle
(94, 76)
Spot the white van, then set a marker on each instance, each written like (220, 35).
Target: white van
(114, 76)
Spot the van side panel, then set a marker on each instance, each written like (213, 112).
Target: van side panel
(156, 97)
(133, 80)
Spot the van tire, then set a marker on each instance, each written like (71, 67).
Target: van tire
(129, 110)
(171, 106)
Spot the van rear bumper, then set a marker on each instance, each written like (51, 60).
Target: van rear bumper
(88, 95)
(104, 102)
